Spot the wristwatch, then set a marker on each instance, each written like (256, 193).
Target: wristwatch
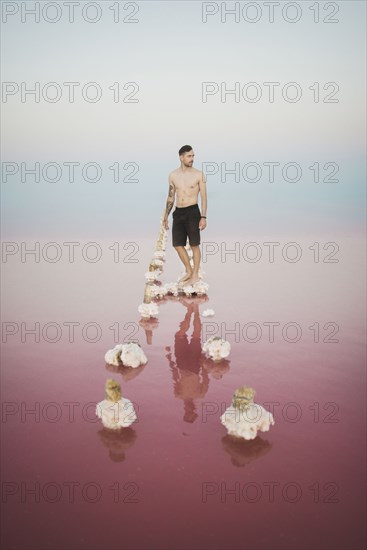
(203, 217)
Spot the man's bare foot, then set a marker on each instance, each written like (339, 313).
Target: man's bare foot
(185, 277)
(194, 279)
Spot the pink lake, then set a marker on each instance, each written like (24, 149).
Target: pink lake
(175, 480)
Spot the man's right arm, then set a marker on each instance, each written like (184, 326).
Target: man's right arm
(170, 198)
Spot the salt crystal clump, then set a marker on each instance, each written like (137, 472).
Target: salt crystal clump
(157, 291)
(157, 263)
(115, 411)
(160, 254)
(244, 418)
(208, 312)
(217, 348)
(152, 275)
(112, 356)
(172, 288)
(131, 355)
(188, 290)
(200, 288)
(148, 310)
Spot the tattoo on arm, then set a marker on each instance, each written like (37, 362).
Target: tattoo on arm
(170, 200)
(171, 190)
(169, 207)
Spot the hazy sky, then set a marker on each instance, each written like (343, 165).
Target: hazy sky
(169, 52)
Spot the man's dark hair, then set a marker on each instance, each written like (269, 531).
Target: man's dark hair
(185, 149)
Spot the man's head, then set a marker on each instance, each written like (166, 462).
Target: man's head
(186, 155)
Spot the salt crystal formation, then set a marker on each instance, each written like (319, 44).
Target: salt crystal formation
(152, 275)
(172, 288)
(244, 418)
(217, 348)
(148, 310)
(115, 411)
(155, 291)
(130, 355)
(208, 313)
(200, 288)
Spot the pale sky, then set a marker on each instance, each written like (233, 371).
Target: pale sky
(169, 53)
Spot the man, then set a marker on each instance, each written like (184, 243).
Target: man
(187, 182)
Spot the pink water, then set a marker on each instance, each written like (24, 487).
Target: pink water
(174, 479)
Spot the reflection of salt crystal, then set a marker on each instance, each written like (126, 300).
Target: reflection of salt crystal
(217, 348)
(148, 310)
(208, 312)
(116, 414)
(246, 423)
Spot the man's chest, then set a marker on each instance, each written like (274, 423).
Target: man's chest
(187, 184)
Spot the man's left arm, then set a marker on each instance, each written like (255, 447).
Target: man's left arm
(203, 197)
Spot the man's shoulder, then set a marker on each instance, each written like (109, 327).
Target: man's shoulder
(199, 174)
(172, 176)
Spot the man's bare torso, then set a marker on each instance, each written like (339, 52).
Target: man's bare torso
(187, 186)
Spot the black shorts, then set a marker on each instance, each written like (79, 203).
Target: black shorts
(186, 224)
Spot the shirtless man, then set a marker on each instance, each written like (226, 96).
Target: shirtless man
(188, 221)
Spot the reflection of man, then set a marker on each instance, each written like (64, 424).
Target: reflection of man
(187, 182)
(191, 380)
